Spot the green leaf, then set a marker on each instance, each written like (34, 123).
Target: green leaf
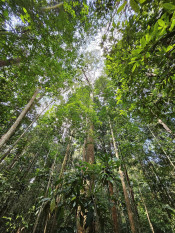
(143, 42)
(22, 18)
(172, 25)
(142, 1)
(161, 23)
(121, 7)
(73, 198)
(5, 13)
(148, 37)
(24, 9)
(169, 6)
(52, 205)
(134, 67)
(134, 6)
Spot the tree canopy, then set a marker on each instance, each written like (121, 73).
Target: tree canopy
(87, 116)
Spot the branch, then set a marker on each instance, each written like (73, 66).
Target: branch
(52, 7)
(87, 78)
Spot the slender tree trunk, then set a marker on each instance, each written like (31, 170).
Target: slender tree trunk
(47, 219)
(33, 160)
(133, 199)
(113, 209)
(30, 166)
(164, 193)
(15, 143)
(146, 210)
(79, 214)
(60, 176)
(162, 148)
(79, 224)
(84, 151)
(44, 204)
(65, 159)
(90, 146)
(16, 158)
(6, 136)
(127, 201)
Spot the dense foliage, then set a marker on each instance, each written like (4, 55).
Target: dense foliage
(86, 148)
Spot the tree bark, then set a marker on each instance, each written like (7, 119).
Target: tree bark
(90, 146)
(147, 214)
(132, 198)
(15, 143)
(44, 204)
(6, 136)
(16, 158)
(127, 201)
(114, 210)
(57, 197)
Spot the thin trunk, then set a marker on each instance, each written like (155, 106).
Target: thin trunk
(146, 210)
(79, 224)
(30, 166)
(127, 201)
(84, 151)
(90, 146)
(113, 209)
(6, 136)
(164, 192)
(17, 157)
(132, 197)
(60, 176)
(79, 214)
(44, 204)
(11, 147)
(46, 158)
(162, 148)
(65, 159)
(97, 222)
(33, 160)
(47, 219)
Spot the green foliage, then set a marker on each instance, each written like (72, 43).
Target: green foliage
(47, 177)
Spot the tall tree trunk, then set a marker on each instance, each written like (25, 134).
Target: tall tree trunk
(132, 198)
(60, 176)
(127, 201)
(6, 136)
(146, 210)
(15, 143)
(44, 204)
(161, 148)
(90, 146)
(113, 209)
(17, 157)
